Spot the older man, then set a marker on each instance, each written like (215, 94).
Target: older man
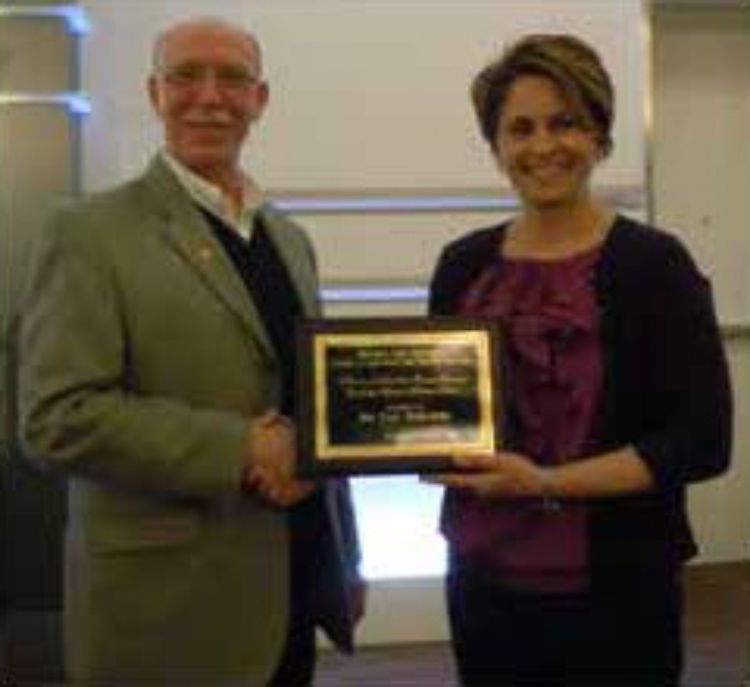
(157, 372)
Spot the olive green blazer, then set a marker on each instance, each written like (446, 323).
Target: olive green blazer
(142, 359)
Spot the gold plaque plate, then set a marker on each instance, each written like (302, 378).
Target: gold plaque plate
(395, 395)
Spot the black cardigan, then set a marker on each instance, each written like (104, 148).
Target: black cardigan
(665, 389)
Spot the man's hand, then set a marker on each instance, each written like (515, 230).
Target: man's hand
(271, 457)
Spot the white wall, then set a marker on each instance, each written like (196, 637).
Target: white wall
(720, 509)
(701, 173)
(365, 95)
(701, 178)
(701, 149)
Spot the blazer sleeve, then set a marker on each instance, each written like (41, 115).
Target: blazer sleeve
(687, 397)
(75, 411)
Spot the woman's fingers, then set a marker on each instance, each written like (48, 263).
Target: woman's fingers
(476, 461)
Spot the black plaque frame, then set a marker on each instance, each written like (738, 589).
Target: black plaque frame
(320, 387)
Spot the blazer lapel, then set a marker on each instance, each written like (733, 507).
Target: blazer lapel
(187, 232)
(297, 265)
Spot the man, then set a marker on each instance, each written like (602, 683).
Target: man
(157, 371)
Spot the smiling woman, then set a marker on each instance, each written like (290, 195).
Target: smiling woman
(616, 387)
(546, 113)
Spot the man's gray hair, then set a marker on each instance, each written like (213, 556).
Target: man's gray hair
(204, 22)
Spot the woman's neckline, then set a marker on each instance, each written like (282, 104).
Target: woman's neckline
(570, 252)
(582, 255)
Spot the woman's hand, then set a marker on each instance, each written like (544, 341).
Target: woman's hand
(505, 474)
(512, 475)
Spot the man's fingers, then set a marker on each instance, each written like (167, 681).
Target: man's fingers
(267, 417)
(283, 492)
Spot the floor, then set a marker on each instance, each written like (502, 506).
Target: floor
(717, 639)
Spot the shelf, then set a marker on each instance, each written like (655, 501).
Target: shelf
(74, 16)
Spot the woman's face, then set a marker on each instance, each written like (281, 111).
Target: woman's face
(543, 145)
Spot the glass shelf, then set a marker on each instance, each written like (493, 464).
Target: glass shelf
(74, 16)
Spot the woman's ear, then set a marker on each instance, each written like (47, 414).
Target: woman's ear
(497, 156)
(603, 148)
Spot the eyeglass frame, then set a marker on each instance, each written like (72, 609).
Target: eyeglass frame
(225, 77)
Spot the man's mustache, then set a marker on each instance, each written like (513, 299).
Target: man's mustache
(213, 119)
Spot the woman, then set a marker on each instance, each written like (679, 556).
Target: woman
(566, 548)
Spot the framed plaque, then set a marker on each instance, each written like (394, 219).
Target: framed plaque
(395, 395)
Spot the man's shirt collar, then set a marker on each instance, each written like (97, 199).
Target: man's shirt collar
(210, 197)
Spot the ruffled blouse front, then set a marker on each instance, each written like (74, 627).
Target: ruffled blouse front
(550, 325)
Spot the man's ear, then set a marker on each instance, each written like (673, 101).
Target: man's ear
(154, 94)
(262, 95)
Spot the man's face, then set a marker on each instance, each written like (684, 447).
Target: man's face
(207, 90)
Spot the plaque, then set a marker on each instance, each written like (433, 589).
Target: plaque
(396, 395)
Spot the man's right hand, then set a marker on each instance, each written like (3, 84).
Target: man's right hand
(271, 458)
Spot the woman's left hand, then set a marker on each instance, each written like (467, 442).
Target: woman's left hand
(504, 474)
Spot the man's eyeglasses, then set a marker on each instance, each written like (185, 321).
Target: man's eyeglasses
(227, 78)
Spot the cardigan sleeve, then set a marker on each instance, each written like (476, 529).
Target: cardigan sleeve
(439, 298)
(459, 263)
(687, 407)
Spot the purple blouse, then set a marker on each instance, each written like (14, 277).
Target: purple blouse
(550, 322)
